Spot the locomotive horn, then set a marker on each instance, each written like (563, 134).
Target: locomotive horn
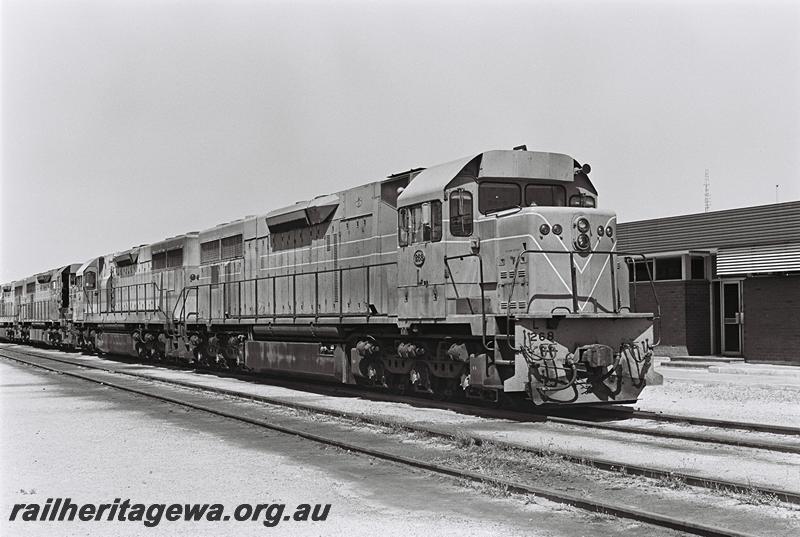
(585, 169)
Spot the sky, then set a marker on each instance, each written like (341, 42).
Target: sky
(128, 121)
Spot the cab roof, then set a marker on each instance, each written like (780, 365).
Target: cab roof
(496, 164)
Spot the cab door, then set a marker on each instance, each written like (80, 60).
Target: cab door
(421, 269)
(77, 300)
(464, 273)
(91, 294)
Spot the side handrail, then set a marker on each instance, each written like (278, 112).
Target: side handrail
(177, 300)
(483, 300)
(157, 297)
(183, 296)
(232, 291)
(95, 301)
(573, 285)
(657, 316)
(88, 301)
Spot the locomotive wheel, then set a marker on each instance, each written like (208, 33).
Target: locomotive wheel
(445, 389)
(141, 352)
(420, 378)
(397, 384)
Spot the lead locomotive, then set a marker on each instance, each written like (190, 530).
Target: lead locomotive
(494, 276)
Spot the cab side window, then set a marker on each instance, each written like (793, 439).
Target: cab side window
(402, 227)
(90, 280)
(461, 213)
(420, 223)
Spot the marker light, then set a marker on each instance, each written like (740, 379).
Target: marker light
(557, 229)
(609, 231)
(544, 229)
(583, 225)
(600, 231)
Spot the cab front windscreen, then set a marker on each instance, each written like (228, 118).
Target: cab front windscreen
(495, 196)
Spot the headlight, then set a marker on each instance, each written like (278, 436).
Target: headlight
(583, 225)
(600, 231)
(544, 229)
(557, 229)
(582, 242)
(609, 231)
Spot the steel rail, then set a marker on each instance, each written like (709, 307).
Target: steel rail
(620, 511)
(707, 422)
(695, 437)
(600, 463)
(496, 413)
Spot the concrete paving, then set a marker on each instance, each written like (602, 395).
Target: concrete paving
(728, 365)
(757, 396)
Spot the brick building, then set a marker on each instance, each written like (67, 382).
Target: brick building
(727, 282)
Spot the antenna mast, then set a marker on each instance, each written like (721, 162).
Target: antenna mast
(707, 186)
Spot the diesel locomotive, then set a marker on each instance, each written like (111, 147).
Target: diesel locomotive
(495, 277)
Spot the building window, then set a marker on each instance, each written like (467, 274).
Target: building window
(461, 213)
(420, 223)
(638, 271)
(669, 268)
(545, 195)
(698, 267)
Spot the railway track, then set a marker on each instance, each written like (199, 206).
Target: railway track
(623, 413)
(448, 433)
(717, 431)
(144, 386)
